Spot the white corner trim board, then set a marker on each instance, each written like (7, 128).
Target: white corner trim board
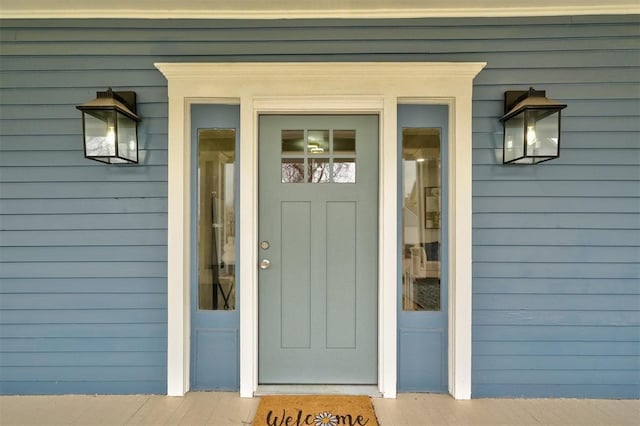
(317, 88)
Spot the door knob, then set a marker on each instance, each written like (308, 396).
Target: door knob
(264, 264)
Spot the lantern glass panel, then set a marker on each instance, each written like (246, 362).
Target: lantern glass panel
(127, 138)
(543, 130)
(99, 133)
(514, 138)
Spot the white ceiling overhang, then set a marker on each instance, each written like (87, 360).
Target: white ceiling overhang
(292, 9)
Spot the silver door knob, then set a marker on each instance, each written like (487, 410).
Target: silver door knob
(264, 264)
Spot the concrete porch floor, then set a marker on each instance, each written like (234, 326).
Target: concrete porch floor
(224, 408)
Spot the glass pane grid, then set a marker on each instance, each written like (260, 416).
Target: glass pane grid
(318, 156)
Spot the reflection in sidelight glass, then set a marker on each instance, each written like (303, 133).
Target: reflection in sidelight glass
(421, 219)
(216, 219)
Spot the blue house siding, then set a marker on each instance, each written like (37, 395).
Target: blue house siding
(556, 274)
(82, 246)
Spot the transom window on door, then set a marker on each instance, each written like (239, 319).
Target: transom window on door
(421, 217)
(318, 156)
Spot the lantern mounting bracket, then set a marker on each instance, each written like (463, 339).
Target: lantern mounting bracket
(128, 98)
(513, 97)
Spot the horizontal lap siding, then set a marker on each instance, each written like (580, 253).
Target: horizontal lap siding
(83, 246)
(556, 246)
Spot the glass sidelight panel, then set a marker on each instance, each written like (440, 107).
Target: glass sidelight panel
(216, 219)
(421, 219)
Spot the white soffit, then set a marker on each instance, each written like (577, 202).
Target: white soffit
(291, 9)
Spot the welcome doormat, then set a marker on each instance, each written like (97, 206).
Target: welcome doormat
(315, 410)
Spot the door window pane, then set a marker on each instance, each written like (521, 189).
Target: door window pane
(318, 142)
(344, 170)
(344, 142)
(216, 219)
(319, 171)
(293, 142)
(421, 219)
(292, 170)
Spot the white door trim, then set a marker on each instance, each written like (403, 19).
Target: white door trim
(314, 88)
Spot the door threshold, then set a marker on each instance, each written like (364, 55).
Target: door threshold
(366, 390)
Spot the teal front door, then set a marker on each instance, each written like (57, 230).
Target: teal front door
(318, 249)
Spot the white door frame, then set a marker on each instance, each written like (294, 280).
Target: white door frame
(319, 88)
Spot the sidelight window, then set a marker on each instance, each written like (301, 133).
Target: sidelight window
(421, 219)
(216, 219)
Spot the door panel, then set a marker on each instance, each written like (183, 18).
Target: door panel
(423, 281)
(341, 275)
(318, 229)
(295, 321)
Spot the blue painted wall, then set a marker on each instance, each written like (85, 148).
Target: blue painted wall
(556, 246)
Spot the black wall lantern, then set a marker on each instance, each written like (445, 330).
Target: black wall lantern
(531, 127)
(110, 127)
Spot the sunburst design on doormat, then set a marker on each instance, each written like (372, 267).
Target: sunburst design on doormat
(326, 419)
